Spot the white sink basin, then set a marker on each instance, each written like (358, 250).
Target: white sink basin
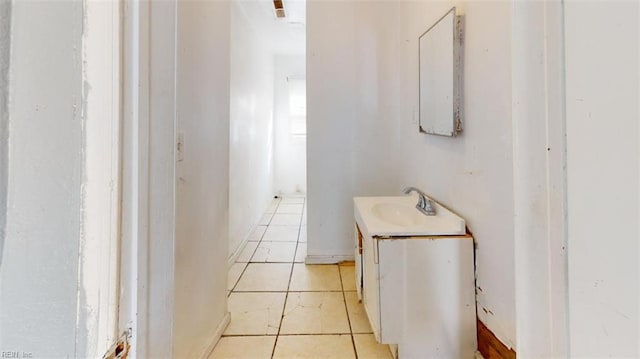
(398, 216)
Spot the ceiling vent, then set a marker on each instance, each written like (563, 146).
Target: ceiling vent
(279, 7)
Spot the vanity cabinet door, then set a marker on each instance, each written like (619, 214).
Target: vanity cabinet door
(392, 289)
(427, 296)
(370, 291)
(358, 256)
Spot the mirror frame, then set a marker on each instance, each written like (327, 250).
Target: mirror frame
(457, 38)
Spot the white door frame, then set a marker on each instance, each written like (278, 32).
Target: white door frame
(148, 172)
(540, 179)
(99, 243)
(135, 174)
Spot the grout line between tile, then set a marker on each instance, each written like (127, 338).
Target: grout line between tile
(247, 263)
(346, 309)
(286, 297)
(293, 263)
(247, 335)
(238, 280)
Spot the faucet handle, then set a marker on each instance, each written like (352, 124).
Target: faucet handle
(424, 205)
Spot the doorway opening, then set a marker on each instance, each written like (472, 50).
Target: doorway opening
(267, 149)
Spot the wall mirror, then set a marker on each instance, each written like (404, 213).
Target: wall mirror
(440, 76)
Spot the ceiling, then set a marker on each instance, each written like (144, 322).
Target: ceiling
(287, 35)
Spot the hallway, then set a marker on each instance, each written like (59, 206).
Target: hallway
(282, 308)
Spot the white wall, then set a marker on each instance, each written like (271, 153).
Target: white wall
(363, 138)
(602, 93)
(290, 151)
(331, 86)
(175, 218)
(507, 173)
(473, 173)
(251, 124)
(351, 124)
(159, 242)
(5, 48)
(202, 88)
(539, 151)
(39, 287)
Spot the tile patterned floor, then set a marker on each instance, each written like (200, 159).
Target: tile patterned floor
(282, 308)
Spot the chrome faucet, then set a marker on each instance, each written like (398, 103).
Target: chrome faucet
(424, 205)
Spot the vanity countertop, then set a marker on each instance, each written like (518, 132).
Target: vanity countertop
(398, 217)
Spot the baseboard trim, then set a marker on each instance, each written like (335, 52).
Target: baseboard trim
(217, 335)
(234, 257)
(490, 347)
(328, 259)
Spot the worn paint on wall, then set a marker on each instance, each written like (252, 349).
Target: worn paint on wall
(98, 273)
(39, 287)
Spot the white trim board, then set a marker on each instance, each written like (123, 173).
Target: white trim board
(217, 335)
(328, 259)
(99, 272)
(234, 257)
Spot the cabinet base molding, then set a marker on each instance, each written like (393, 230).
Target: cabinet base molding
(490, 346)
(328, 259)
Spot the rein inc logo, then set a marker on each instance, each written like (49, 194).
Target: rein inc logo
(15, 354)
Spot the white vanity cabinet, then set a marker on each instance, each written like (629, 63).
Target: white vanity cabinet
(418, 291)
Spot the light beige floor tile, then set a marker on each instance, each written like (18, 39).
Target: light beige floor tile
(281, 234)
(303, 234)
(290, 208)
(255, 313)
(280, 219)
(234, 274)
(275, 252)
(264, 277)
(348, 274)
(368, 348)
(301, 253)
(315, 313)
(247, 252)
(292, 200)
(273, 206)
(357, 314)
(266, 218)
(315, 278)
(314, 346)
(257, 233)
(243, 348)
